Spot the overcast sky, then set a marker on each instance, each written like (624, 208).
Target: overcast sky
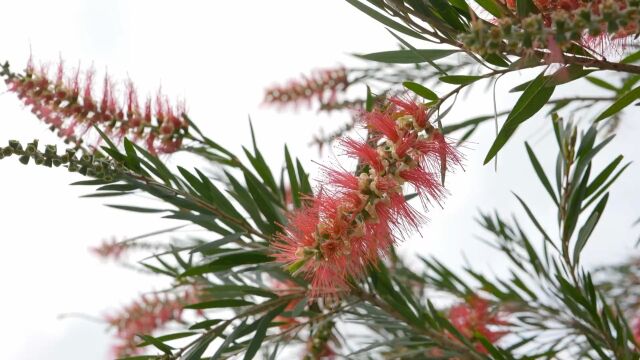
(220, 58)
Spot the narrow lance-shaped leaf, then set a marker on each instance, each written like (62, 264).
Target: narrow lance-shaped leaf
(293, 181)
(624, 101)
(408, 56)
(540, 172)
(420, 90)
(385, 20)
(460, 79)
(261, 331)
(587, 229)
(530, 102)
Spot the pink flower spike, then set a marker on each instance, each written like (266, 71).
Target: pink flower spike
(424, 182)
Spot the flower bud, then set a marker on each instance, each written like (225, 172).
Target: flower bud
(24, 159)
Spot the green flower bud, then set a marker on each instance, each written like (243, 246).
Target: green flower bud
(24, 159)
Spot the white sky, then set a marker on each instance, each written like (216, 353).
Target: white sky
(220, 58)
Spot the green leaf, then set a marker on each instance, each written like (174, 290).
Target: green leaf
(530, 102)
(293, 180)
(370, 100)
(196, 352)
(460, 79)
(601, 83)
(261, 197)
(227, 262)
(305, 185)
(562, 76)
(170, 337)
(606, 186)
(106, 139)
(117, 187)
(525, 8)
(603, 176)
(449, 14)
(261, 332)
(89, 182)
(408, 56)
(420, 90)
(574, 205)
(540, 172)
(157, 343)
(218, 199)
(243, 197)
(587, 228)
(497, 60)
(415, 51)
(105, 194)
(222, 303)
(385, 20)
(631, 58)
(136, 209)
(492, 7)
(533, 218)
(132, 160)
(231, 338)
(261, 167)
(206, 324)
(624, 101)
(161, 169)
(233, 290)
(216, 243)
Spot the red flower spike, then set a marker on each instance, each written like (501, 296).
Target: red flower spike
(448, 155)
(348, 226)
(405, 144)
(426, 183)
(474, 317)
(382, 123)
(340, 179)
(418, 111)
(363, 151)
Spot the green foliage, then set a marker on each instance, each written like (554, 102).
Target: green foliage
(550, 304)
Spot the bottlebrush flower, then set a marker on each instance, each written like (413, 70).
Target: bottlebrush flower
(475, 317)
(356, 218)
(635, 327)
(67, 104)
(322, 85)
(110, 249)
(145, 316)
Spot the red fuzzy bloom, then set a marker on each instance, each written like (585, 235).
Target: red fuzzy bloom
(414, 109)
(357, 218)
(362, 151)
(382, 123)
(475, 317)
(426, 183)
